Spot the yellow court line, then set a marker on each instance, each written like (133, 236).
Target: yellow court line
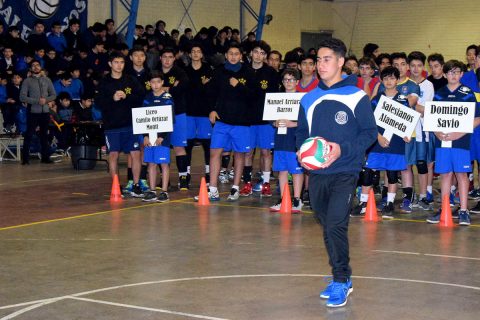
(48, 179)
(90, 214)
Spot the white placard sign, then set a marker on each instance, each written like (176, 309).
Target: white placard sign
(449, 116)
(395, 118)
(152, 120)
(282, 105)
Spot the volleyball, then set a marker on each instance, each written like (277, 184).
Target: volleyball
(43, 9)
(313, 152)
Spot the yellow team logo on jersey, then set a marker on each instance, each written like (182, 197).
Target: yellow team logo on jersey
(264, 84)
(128, 90)
(171, 80)
(148, 86)
(242, 81)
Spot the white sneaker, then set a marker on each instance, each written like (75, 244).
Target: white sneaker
(276, 207)
(297, 205)
(223, 176)
(234, 195)
(212, 196)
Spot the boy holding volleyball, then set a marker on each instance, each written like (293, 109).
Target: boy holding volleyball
(340, 113)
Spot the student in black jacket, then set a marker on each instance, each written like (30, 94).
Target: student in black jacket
(199, 127)
(117, 94)
(261, 132)
(231, 91)
(176, 83)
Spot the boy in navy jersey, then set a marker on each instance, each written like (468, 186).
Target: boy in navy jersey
(285, 160)
(385, 155)
(157, 152)
(138, 69)
(411, 90)
(454, 160)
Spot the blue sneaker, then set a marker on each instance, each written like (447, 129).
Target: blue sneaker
(127, 190)
(464, 218)
(325, 294)
(258, 186)
(429, 197)
(143, 185)
(453, 199)
(338, 294)
(456, 213)
(382, 204)
(406, 206)
(435, 218)
(358, 192)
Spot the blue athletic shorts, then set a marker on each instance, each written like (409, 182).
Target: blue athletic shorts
(475, 145)
(431, 148)
(156, 154)
(415, 151)
(199, 128)
(230, 137)
(286, 161)
(262, 136)
(452, 160)
(386, 161)
(122, 140)
(179, 134)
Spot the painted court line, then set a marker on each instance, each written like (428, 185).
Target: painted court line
(426, 254)
(89, 214)
(399, 252)
(39, 303)
(453, 257)
(130, 306)
(48, 179)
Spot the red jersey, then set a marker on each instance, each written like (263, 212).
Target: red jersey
(312, 85)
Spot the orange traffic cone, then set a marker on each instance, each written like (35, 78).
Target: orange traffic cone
(116, 195)
(203, 195)
(286, 206)
(446, 215)
(371, 211)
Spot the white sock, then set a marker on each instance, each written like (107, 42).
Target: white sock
(364, 197)
(430, 189)
(188, 169)
(266, 176)
(452, 189)
(213, 189)
(422, 196)
(235, 187)
(207, 168)
(391, 196)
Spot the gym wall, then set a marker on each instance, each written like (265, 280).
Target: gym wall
(407, 25)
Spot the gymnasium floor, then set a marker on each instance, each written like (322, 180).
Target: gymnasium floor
(67, 253)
